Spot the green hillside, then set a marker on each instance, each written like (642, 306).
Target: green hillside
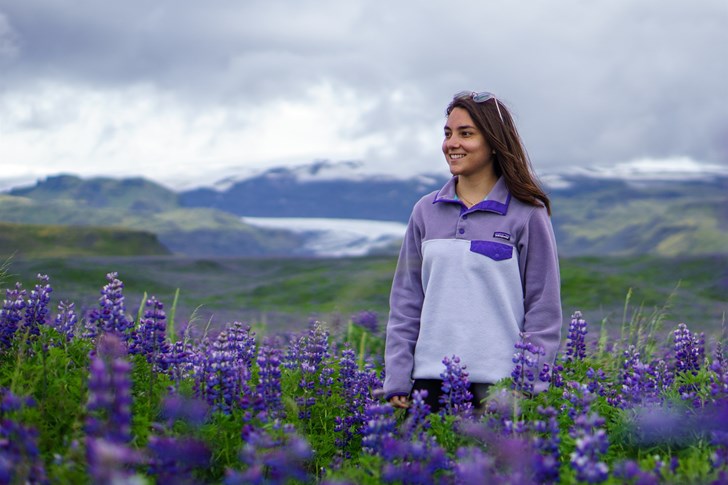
(282, 293)
(32, 241)
(141, 205)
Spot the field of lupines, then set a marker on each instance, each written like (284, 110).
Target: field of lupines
(118, 395)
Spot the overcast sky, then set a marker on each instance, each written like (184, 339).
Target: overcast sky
(181, 89)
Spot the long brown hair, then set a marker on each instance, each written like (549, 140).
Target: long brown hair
(510, 159)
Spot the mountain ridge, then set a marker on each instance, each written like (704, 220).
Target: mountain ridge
(593, 215)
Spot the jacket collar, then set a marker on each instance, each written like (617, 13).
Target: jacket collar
(498, 199)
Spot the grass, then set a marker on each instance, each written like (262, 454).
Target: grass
(279, 293)
(35, 240)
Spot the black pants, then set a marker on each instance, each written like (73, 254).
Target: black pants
(434, 391)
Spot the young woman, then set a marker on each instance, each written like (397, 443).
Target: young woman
(478, 269)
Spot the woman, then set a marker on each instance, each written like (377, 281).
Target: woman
(478, 269)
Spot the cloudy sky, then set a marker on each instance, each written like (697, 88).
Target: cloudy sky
(182, 90)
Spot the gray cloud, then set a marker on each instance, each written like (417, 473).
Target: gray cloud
(589, 82)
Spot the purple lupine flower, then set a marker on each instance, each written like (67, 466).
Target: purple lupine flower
(689, 349)
(420, 461)
(417, 417)
(109, 392)
(473, 467)
(269, 381)
(221, 378)
(179, 362)
(629, 472)
(576, 344)
(591, 443)
(36, 310)
(718, 381)
(109, 461)
(308, 354)
(66, 319)
(111, 314)
(351, 392)
(11, 314)
(20, 460)
(455, 397)
(379, 424)
(526, 360)
(189, 410)
(150, 339)
(546, 460)
(367, 320)
(173, 459)
(272, 460)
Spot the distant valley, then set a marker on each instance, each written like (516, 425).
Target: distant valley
(592, 215)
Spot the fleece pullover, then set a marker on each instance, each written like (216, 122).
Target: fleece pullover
(471, 283)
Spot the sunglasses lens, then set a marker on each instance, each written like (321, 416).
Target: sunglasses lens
(482, 97)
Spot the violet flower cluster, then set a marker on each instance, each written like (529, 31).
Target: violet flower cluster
(575, 340)
(108, 424)
(455, 397)
(526, 360)
(367, 320)
(11, 314)
(224, 370)
(689, 349)
(36, 309)
(269, 381)
(150, 338)
(111, 315)
(66, 319)
(20, 460)
(109, 391)
(271, 459)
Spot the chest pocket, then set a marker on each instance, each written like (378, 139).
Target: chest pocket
(494, 250)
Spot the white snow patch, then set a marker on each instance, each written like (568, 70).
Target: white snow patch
(336, 237)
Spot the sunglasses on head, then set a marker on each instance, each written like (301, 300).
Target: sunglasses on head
(480, 97)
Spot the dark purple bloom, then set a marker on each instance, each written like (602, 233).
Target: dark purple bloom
(546, 442)
(66, 319)
(367, 320)
(308, 354)
(11, 314)
(173, 459)
(272, 459)
(109, 461)
(591, 443)
(20, 460)
(526, 360)
(455, 397)
(109, 392)
(36, 310)
(269, 381)
(576, 343)
(150, 339)
(379, 425)
(629, 472)
(111, 315)
(190, 410)
(689, 349)
(222, 375)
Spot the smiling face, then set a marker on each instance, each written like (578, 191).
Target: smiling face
(466, 150)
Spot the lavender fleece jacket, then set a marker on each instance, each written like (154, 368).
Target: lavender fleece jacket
(470, 282)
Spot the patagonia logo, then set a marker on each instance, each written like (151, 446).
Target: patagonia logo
(502, 235)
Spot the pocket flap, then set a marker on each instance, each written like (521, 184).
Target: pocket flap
(495, 251)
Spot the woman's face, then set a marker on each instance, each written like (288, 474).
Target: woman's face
(465, 148)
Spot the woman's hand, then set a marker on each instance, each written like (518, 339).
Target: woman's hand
(400, 402)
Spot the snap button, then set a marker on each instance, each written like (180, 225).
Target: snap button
(461, 231)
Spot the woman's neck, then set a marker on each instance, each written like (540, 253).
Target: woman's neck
(474, 189)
